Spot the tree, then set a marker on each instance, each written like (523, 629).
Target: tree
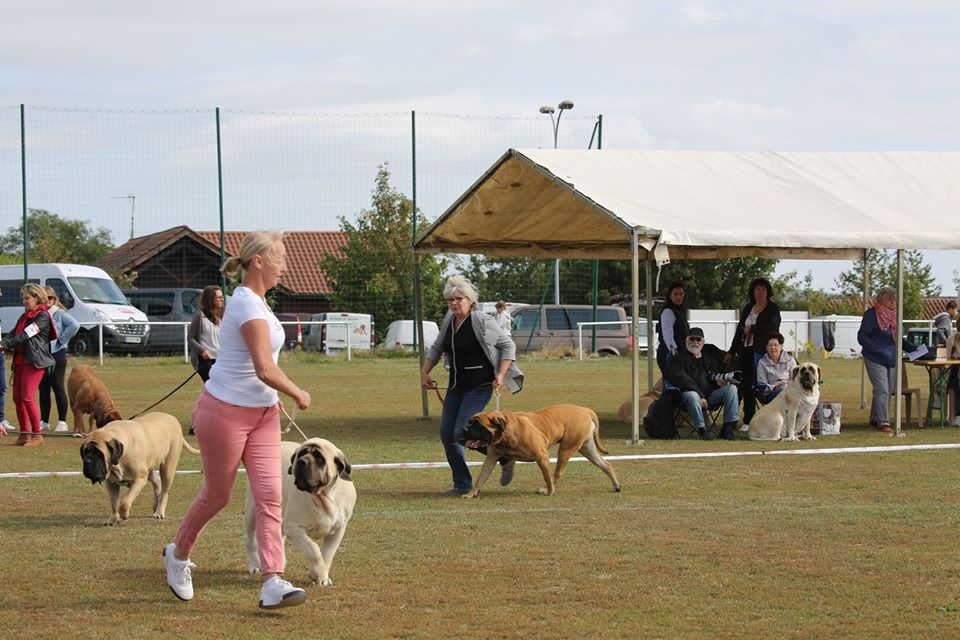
(375, 274)
(710, 284)
(54, 239)
(918, 280)
(717, 284)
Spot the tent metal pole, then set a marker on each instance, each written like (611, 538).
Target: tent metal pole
(649, 310)
(635, 321)
(898, 372)
(866, 301)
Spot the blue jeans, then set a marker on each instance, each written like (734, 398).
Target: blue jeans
(458, 407)
(766, 397)
(725, 395)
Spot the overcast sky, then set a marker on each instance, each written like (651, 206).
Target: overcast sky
(753, 75)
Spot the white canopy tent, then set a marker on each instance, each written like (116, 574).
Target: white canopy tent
(663, 205)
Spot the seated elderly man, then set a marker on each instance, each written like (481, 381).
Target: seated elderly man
(696, 372)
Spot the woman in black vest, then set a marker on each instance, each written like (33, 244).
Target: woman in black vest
(758, 319)
(672, 327)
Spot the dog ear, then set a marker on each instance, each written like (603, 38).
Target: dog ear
(819, 375)
(499, 423)
(293, 458)
(343, 467)
(795, 373)
(116, 451)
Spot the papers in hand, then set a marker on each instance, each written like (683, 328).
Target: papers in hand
(918, 352)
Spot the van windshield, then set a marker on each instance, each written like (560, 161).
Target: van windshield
(97, 290)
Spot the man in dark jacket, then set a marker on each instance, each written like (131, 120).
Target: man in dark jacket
(695, 371)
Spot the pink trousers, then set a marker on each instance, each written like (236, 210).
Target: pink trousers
(228, 434)
(26, 381)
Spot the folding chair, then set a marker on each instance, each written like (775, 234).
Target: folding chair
(712, 418)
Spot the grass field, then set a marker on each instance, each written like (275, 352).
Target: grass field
(799, 546)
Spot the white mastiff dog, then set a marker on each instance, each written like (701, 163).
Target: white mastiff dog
(790, 412)
(318, 500)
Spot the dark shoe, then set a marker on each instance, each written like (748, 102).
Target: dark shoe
(706, 435)
(454, 491)
(726, 432)
(506, 472)
(886, 429)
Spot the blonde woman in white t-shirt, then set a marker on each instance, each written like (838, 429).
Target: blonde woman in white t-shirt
(237, 420)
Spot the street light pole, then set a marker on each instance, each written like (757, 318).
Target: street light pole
(563, 106)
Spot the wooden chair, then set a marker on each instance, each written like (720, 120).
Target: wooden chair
(909, 392)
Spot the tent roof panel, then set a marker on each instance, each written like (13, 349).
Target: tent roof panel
(582, 203)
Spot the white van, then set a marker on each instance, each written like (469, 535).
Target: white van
(400, 334)
(343, 328)
(89, 295)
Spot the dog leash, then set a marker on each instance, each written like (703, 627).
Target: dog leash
(177, 388)
(292, 422)
(436, 389)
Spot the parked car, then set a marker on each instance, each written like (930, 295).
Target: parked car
(400, 334)
(334, 337)
(166, 305)
(292, 330)
(554, 326)
(90, 296)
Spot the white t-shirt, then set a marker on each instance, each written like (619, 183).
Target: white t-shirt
(233, 377)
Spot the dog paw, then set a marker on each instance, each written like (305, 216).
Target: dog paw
(252, 569)
(159, 516)
(469, 496)
(111, 522)
(543, 491)
(326, 582)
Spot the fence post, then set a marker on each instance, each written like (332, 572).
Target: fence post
(23, 188)
(223, 252)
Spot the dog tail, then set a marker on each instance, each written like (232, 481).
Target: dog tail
(186, 445)
(596, 432)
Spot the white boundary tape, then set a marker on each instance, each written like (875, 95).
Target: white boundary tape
(650, 456)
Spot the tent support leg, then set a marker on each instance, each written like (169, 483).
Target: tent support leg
(635, 321)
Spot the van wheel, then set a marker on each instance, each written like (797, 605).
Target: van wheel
(83, 344)
(606, 354)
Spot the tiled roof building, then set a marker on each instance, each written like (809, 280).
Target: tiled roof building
(182, 257)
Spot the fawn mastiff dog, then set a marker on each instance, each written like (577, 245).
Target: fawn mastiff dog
(88, 395)
(528, 436)
(318, 500)
(790, 412)
(625, 413)
(130, 453)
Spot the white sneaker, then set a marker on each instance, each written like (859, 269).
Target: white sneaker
(277, 592)
(7, 426)
(44, 426)
(745, 426)
(61, 427)
(956, 422)
(178, 573)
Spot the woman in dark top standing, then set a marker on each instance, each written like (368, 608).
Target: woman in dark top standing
(481, 358)
(758, 319)
(672, 327)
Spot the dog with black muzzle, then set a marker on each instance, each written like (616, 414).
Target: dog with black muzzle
(131, 453)
(318, 501)
(790, 412)
(529, 435)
